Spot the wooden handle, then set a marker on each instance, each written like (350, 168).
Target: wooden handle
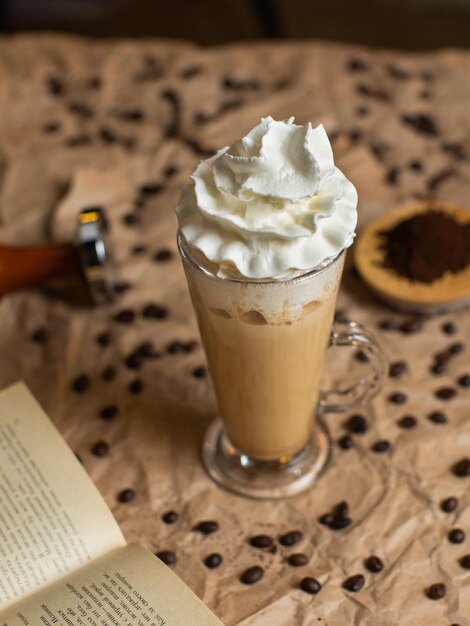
(30, 266)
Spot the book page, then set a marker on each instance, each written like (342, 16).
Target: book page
(127, 587)
(52, 518)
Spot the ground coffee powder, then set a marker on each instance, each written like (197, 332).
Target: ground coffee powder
(424, 247)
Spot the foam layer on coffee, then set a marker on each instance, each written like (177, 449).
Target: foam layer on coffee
(270, 206)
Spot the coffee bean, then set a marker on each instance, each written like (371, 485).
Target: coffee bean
(416, 165)
(436, 591)
(354, 583)
(357, 424)
(125, 316)
(339, 523)
(407, 422)
(445, 393)
(107, 135)
(252, 575)
(464, 380)
(396, 72)
(131, 115)
(291, 538)
(213, 560)
(126, 495)
(206, 527)
(170, 171)
(170, 517)
(411, 326)
(108, 412)
(80, 109)
(100, 448)
(455, 149)
(392, 175)
(147, 351)
(374, 564)
(103, 339)
(154, 311)
(133, 361)
(449, 504)
(39, 335)
(437, 417)
(81, 383)
(190, 346)
(108, 373)
(236, 84)
(199, 372)
(389, 324)
(362, 111)
(310, 585)
(175, 347)
(150, 189)
(437, 368)
(456, 535)
(420, 123)
(448, 328)
(456, 348)
(361, 356)
(397, 369)
(190, 72)
(298, 559)
(121, 286)
(355, 134)
(381, 446)
(357, 65)
(437, 179)
(55, 86)
(326, 519)
(78, 140)
(139, 249)
(161, 256)
(346, 442)
(166, 556)
(50, 128)
(465, 561)
(130, 219)
(261, 541)
(370, 91)
(95, 82)
(397, 397)
(461, 469)
(136, 386)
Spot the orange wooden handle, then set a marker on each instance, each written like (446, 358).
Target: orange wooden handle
(30, 266)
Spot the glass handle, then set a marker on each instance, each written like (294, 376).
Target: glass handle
(356, 336)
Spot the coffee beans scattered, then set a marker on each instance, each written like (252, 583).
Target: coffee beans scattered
(126, 495)
(383, 445)
(261, 541)
(310, 585)
(461, 469)
(464, 380)
(213, 560)
(170, 517)
(456, 535)
(108, 373)
(125, 316)
(354, 583)
(445, 393)
(298, 559)
(81, 383)
(166, 556)
(199, 372)
(136, 386)
(407, 422)
(252, 575)
(397, 369)
(291, 538)
(338, 518)
(161, 256)
(397, 397)
(465, 561)
(100, 449)
(374, 564)
(346, 442)
(449, 504)
(175, 347)
(357, 424)
(437, 417)
(154, 311)
(436, 591)
(448, 328)
(206, 527)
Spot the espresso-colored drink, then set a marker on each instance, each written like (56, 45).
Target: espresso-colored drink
(265, 345)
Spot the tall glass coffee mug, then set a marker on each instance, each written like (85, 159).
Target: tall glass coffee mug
(266, 343)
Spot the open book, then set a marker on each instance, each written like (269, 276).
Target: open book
(63, 559)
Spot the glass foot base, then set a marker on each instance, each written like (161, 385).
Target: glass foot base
(265, 479)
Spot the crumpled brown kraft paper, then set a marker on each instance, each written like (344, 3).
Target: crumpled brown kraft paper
(154, 440)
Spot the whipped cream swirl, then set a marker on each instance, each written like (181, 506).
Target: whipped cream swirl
(270, 206)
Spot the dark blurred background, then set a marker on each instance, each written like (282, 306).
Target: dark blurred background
(405, 24)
